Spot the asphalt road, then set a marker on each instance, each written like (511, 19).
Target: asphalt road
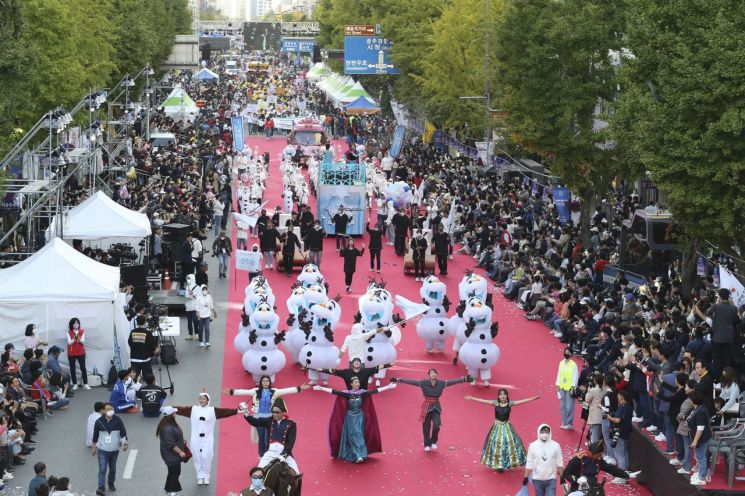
(140, 471)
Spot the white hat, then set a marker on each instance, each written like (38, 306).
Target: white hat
(168, 410)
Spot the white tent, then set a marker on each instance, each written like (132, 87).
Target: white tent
(100, 217)
(180, 106)
(56, 284)
(206, 75)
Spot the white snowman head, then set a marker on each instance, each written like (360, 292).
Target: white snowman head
(264, 318)
(310, 275)
(473, 285)
(296, 301)
(259, 295)
(314, 294)
(335, 310)
(433, 290)
(373, 310)
(479, 311)
(321, 315)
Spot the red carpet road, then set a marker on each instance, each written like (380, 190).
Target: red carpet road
(528, 365)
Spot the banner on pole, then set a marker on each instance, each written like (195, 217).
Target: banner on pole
(562, 197)
(249, 261)
(398, 141)
(238, 139)
(700, 266)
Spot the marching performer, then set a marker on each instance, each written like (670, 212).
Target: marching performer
(282, 434)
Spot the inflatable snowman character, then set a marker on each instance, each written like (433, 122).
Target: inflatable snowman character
(432, 328)
(258, 295)
(379, 350)
(314, 294)
(298, 312)
(310, 275)
(472, 285)
(241, 342)
(478, 353)
(263, 357)
(320, 352)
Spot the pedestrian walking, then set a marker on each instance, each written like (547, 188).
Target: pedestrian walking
(172, 449)
(109, 434)
(222, 248)
(206, 312)
(341, 221)
(544, 463)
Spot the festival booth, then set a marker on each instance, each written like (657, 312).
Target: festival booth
(206, 75)
(353, 93)
(56, 284)
(180, 106)
(318, 72)
(99, 218)
(361, 106)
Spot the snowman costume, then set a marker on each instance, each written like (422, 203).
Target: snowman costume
(202, 440)
(241, 342)
(310, 275)
(263, 357)
(472, 285)
(320, 352)
(478, 353)
(298, 312)
(432, 328)
(244, 195)
(379, 350)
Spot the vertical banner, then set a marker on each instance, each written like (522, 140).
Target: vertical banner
(701, 267)
(535, 187)
(562, 197)
(238, 139)
(398, 141)
(715, 276)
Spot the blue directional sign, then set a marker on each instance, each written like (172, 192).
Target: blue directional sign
(298, 45)
(367, 55)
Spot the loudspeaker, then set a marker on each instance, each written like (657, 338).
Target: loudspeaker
(135, 276)
(317, 54)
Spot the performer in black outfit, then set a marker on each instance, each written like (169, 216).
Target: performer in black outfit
(443, 248)
(340, 220)
(356, 370)
(282, 434)
(418, 250)
(376, 244)
(401, 224)
(429, 415)
(290, 241)
(589, 463)
(350, 254)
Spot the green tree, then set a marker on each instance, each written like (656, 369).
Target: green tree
(681, 112)
(554, 75)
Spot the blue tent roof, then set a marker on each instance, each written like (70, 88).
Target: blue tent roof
(362, 104)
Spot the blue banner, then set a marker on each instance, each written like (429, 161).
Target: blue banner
(367, 55)
(298, 45)
(398, 141)
(562, 197)
(238, 140)
(438, 139)
(609, 277)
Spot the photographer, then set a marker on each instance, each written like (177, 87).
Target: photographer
(621, 429)
(588, 464)
(143, 346)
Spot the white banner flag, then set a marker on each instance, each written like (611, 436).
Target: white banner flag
(247, 219)
(248, 260)
(736, 289)
(411, 309)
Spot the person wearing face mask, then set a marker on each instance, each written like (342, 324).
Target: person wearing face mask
(108, 434)
(376, 243)
(544, 463)
(566, 385)
(257, 483)
(418, 247)
(350, 253)
(172, 448)
(205, 312)
(32, 339)
(222, 248)
(313, 240)
(118, 398)
(203, 418)
(76, 352)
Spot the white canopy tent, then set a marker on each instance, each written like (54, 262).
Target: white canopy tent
(56, 284)
(180, 106)
(100, 217)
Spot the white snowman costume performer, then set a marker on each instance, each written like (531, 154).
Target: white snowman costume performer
(288, 203)
(432, 328)
(310, 275)
(298, 311)
(380, 349)
(320, 352)
(258, 295)
(203, 417)
(472, 285)
(241, 342)
(244, 195)
(478, 353)
(263, 357)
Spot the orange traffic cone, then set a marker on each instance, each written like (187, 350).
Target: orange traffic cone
(167, 282)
